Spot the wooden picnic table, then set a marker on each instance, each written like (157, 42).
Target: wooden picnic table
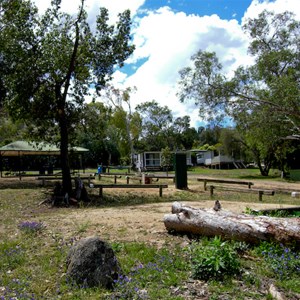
(225, 181)
(260, 192)
(53, 177)
(150, 176)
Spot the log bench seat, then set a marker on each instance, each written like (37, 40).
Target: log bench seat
(114, 176)
(138, 178)
(152, 177)
(224, 181)
(260, 192)
(157, 177)
(160, 187)
(51, 178)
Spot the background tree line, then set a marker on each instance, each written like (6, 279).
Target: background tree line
(103, 131)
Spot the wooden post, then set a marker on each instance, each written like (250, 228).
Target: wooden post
(160, 191)
(101, 191)
(127, 179)
(260, 193)
(115, 179)
(211, 190)
(204, 184)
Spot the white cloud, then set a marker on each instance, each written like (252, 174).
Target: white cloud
(167, 40)
(277, 6)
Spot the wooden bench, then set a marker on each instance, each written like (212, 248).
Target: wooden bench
(225, 181)
(130, 186)
(157, 177)
(128, 178)
(152, 168)
(240, 190)
(51, 178)
(108, 168)
(152, 177)
(114, 176)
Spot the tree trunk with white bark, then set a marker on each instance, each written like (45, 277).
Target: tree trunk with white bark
(229, 225)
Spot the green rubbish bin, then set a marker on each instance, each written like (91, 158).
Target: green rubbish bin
(180, 171)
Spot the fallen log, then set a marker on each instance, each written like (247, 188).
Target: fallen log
(229, 225)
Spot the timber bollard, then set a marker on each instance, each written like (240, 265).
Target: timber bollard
(211, 189)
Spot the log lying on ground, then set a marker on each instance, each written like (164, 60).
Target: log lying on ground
(240, 227)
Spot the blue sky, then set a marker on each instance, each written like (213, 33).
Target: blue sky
(167, 33)
(226, 9)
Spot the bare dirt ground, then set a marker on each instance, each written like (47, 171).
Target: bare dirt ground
(141, 223)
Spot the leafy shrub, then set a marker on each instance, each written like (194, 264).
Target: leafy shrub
(215, 260)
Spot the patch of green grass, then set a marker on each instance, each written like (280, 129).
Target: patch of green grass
(149, 273)
(237, 173)
(12, 255)
(282, 260)
(295, 175)
(82, 227)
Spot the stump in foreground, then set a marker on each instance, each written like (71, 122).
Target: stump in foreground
(240, 227)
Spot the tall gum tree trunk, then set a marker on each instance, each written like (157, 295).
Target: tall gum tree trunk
(64, 154)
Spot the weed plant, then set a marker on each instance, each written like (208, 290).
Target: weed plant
(214, 259)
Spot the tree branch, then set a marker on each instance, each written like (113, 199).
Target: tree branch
(67, 78)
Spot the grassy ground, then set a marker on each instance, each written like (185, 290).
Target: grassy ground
(32, 256)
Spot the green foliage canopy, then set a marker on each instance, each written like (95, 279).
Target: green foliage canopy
(49, 63)
(267, 90)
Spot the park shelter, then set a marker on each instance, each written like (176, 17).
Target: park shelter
(24, 148)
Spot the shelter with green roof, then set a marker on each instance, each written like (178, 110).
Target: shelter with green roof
(19, 149)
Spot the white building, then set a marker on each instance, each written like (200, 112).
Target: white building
(152, 160)
(217, 160)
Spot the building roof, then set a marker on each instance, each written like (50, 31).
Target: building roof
(34, 148)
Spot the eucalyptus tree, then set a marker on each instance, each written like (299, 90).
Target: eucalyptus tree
(156, 125)
(10, 130)
(126, 122)
(184, 134)
(268, 89)
(92, 132)
(49, 62)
